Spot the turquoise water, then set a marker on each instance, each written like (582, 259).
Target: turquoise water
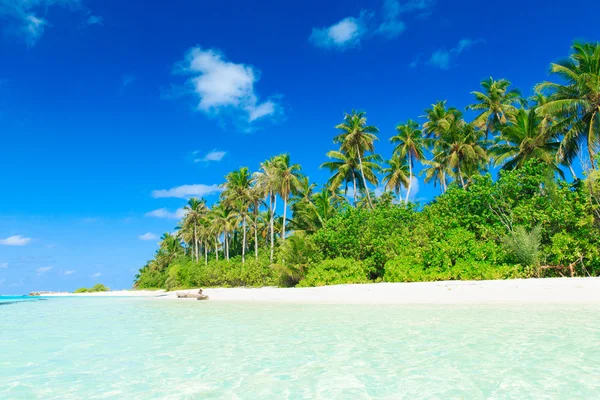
(74, 348)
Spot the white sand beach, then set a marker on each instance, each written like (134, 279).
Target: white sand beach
(526, 291)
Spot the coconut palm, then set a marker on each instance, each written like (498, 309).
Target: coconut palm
(575, 104)
(236, 194)
(225, 220)
(357, 138)
(397, 174)
(523, 140)
(255, 197)
(436, 170)
(496, 103)
(410, 145)
(440, 120)
(287, 177)
(266, 180)
(463, 151)
(346, 169)
(194, 211)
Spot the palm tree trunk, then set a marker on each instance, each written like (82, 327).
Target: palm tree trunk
(244, 240)
(354, 183)
(410, 167)
(271, 223)
(196, 241)
(462, 181)
(206, 254)
(226, 239)
(217, 247)
(284, 213)
(256, 237)
(362, 172)
(573, 172)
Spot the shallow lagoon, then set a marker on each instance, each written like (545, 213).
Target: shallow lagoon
(147, 348)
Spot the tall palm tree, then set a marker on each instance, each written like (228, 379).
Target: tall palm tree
(575, 104)
(346, 169)
(523, 140)
(288, 182)
(267, 180)
(440, 120)
(397, 174)
(464, 151)
(436, 170)
(237, 186)
(411, 145)
(225, 220)
(496, 103)
(194, 211)
(357, 138)
(255, 197)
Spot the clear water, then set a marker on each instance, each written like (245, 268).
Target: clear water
(151, 349)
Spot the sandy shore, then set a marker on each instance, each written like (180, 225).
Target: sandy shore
(543, 291)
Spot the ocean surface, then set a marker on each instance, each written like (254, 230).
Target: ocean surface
(129, 348)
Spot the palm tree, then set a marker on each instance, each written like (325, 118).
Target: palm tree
(194, 211)
(496, 104)
(410, 145)
(523, 140)
(435, 170)
(440, 120)
(225, 221)
(464, 151)
(237, 186)
(346, 170)
(357, 138)
(397, 174)
(575, 105)
(288, 182)
(255, 198)
(266, 179)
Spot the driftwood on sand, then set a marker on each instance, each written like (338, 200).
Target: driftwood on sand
(197, 296)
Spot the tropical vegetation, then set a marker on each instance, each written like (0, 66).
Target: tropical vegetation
(506, 209)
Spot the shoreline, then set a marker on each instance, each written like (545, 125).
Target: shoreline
(516, 291)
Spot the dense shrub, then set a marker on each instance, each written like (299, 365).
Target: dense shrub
(335, 272)
(96, 288)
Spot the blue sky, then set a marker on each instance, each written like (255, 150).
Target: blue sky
(112, 113)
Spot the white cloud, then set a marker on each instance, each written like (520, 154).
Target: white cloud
(214, 155)
(97, 275)
(164, 213)
(445, 59)
(3, 265)
(16, 240)
(70, 272)
(94, 20)
(148, 236)
(342, 35)
(21, 17)
(186, 191)
(43, 270)
(222, 86)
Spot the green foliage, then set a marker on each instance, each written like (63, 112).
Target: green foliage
(295, 255)
(335, 272)
(524, 245)
(96, 288)
(184, 272)
(526, 220)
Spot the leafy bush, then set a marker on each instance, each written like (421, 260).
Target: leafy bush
(335, 272)
(294, 257)
(96, 288)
